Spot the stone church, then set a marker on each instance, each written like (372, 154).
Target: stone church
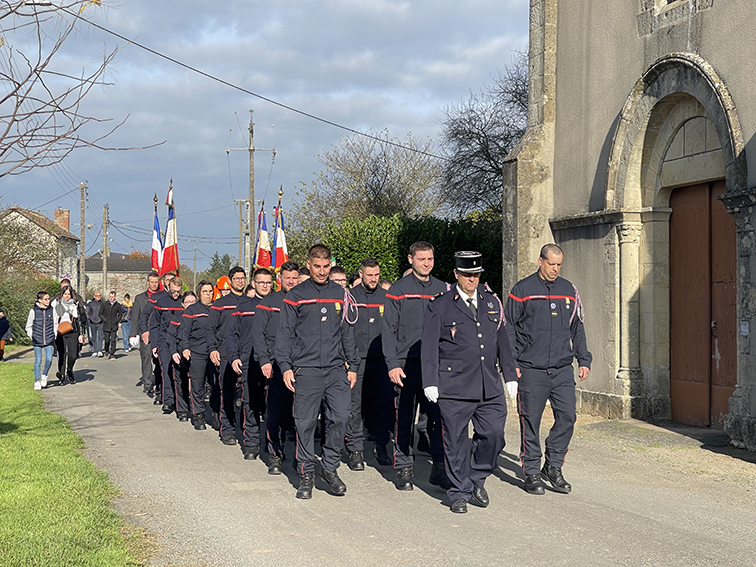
(640, 161)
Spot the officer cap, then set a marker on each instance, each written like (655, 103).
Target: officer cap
(468, 261)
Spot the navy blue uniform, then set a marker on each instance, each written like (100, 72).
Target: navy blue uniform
(193, 336)
(239, 347)
(279, 398)
(373, 393)
(459, 357)
(144, 327)
(315, 344)
(181, 369)
(164, 311)
(545, 327)
(223, 400)
(406, 301)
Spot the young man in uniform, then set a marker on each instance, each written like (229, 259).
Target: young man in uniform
(544, 317)
(278, 397)
(402, 329)
(372, 378)
(144, 330)
(316, 352)
(463, 339)
(167, 310)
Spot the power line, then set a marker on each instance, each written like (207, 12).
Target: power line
(251, 93)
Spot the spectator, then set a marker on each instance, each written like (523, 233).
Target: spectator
(69, 308)
(110, 313)
(41, 327)
(385, 283)
(95, 324)
(5, 334)
(126, 307)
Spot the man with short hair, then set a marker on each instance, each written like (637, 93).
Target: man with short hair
(304, 274)
(147, 380)
(316, 351)
(338, 274)
(372, 391)
(228, 380)
(463, 341)
(110, 313)
(166, 312)
(94, 324)
(402, 329)
(279, 398)
(262, 281)
(144, 325)
(544, 317)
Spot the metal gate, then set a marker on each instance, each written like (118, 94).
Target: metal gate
(702, 259)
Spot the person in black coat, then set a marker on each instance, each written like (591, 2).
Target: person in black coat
(110, 313)
(463, 340)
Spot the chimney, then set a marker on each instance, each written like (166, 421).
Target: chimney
(62, 218)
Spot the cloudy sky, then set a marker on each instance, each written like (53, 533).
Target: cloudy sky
(366, 64)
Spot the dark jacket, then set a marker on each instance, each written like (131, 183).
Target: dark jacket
(310, 332)
(110, 313)
(265, 327)
(219, 315)
(93, 312)
(166, 311)
(41, 323)
(545, 324)
(140, 304)
(459, 353)
(369, 325)
(239, 331)
(149, 307)
(403, 317)
(194, 329)
(5, 329)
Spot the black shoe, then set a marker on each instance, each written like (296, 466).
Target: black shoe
(554, 476)
(381, 455)
(156, 401)
(70, 376)
(306, 482)
(405, 478)
(198, 421)
(111, 357)
(438, 476)
(274, 465)
(140, 383)
(62, 379)
(459, 507)
(423, 442)
(182, 416)
(333, 481)
(216, 421)
(355, 461)
(480, 497)
(228, 440)
(59, 375)
(251, 453)
(534, 484)
(149, 393)
(168, 408)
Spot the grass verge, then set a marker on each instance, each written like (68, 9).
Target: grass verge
(55, 506)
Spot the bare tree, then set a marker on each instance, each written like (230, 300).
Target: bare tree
(477, 135)
(41, 116)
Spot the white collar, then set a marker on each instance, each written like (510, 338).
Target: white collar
(466, 297)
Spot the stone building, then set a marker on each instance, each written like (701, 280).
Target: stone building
(124, 275)
(55, 253)
(640, 161)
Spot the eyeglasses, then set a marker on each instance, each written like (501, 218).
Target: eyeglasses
(238, 279)
(263, 283)
(339, 280)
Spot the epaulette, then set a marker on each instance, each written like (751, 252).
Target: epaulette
(440, 293)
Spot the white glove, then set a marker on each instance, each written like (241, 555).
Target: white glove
(431, 392)
(512, 389)
(134, 342)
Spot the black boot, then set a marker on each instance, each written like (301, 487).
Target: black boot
(438, 476)
(168, 408)
(355, 461)
(554, 476)
(534, 484)
(405, 478)
(306, 482)
(381, 455)
(274, 465)
(198, 421)
(251, 453)
(333, 481)
(70, 376)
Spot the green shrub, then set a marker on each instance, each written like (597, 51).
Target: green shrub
(17, 297)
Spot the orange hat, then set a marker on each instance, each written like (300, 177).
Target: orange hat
(223, 283)
(216, 293)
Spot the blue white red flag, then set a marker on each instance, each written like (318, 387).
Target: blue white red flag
(262, 247)
(157, 245)
(170, 261)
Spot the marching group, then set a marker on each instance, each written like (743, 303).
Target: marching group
(320, 359)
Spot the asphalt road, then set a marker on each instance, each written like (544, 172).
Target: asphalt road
(642, 495)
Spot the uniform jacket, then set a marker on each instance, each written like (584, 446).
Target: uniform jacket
(310, 332)
(367, 330)
(93, 312)
(140, 304)
(265, 327)
(110, 315)
(220, 313)
(459, 354)
(166, 311)
(194, 329)
(172, 339)
(42, 325)
(149, 306)
(403, 317)
(239, 331)
(545, 324)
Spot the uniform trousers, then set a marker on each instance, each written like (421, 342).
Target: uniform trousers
(535, 387)
(228, 380)
(199, 369)
(470, 462)
(148, 375)
(408, 397)
(279, 402)
(181, 385)
(313, 386)
(168, 379)
(372, 396)
(250, 418)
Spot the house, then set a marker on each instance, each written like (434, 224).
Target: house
(639, 161)
(124, 275)
(45, 246)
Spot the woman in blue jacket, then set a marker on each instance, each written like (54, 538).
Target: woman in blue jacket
(41, 326)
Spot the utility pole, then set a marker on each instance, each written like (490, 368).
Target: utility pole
(250, 228)
(82, 251)
(242, 225)
(194, 285)
(105, 250)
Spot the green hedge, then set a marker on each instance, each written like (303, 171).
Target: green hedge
(17, 297)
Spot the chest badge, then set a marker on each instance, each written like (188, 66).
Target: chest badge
(324, 318)
(490, 305)
(338, 308)
(380, 309)
(324, 310)
(453, 332)
(567, 300)
(372, 319)
(553, 305)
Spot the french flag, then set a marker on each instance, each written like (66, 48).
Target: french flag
(170, 262)
(281, 252)
(157, 245)
(262, 250)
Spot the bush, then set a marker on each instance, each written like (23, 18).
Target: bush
(17, 297)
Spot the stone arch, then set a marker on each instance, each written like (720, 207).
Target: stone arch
(663, 86)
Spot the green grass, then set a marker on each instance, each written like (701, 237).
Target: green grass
(55, 506)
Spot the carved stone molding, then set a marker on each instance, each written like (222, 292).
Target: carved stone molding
(629, 232)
